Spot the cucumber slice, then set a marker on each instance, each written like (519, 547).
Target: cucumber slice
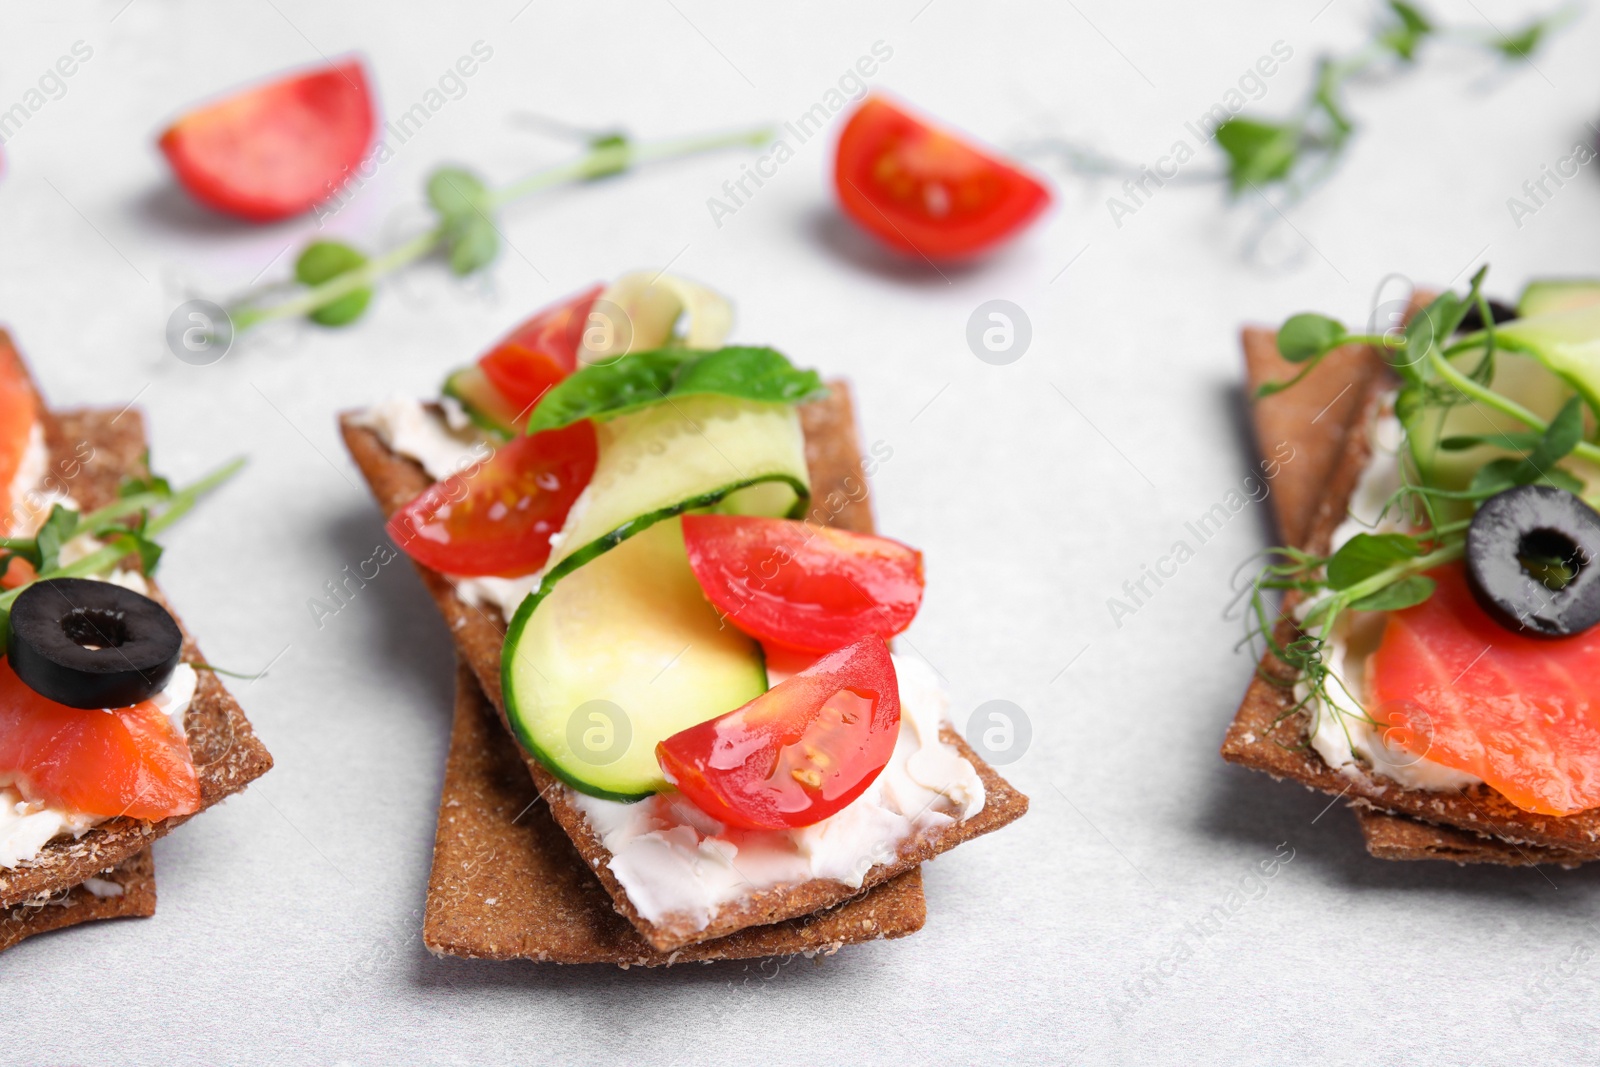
(623, 654)
(1558, 294)
(697, 452)
(1568, 342)
(1523, 378)
(482, 402)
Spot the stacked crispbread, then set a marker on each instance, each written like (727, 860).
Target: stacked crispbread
(91, 453)
(1325, 419)
(518, 873)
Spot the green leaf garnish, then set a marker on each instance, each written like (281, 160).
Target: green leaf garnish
(466, 218)
(1308, 335)
(606, 390)
(1402, 594)
(1258, 152)
(1403, 38)
(1366, 555)
(322, 261)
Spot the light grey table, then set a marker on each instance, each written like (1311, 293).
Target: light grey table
(1101, 927)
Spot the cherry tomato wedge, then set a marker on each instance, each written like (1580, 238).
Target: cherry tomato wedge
(540, 352)
(122, 761)
(19, 411)
(806, 587)
(496, 517)
(922, 190)
(274, 151)
(799, 752)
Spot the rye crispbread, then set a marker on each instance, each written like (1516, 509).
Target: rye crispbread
(507, 882)
(135, 877)
(1311, 498)
(830, 448)
(91, 453)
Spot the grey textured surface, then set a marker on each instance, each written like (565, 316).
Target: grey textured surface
(1120, 920)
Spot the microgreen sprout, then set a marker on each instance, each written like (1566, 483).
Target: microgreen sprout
(1425, 521)
(335, 281)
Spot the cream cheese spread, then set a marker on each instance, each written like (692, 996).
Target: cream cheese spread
(671, 857)
(675, 861)
(1343, 734)
(27, 827)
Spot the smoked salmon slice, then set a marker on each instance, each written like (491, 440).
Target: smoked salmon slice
(125, 761)
(19, 410)
(1522, 713)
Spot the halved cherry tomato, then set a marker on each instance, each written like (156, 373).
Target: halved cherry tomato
(921, 190)
(122, 761)
(806, 587)
(799, 752)
(496, 518)
(540, 352)
(273, 151)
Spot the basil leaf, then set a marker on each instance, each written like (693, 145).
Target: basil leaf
(1402, 594)
(600, 390)
(1258, 152)
(1365, 555)
(466, 216)
(323, 261)
(636, 381)
(1308, 335)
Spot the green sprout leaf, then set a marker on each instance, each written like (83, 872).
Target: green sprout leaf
(1403, 38)
(1402, 594)
(604, 391)
(1366, 555)
(323, 261)
(466, 218)
(1309, 335)
(613, 156)
(1258, 152)
(1515, 442)
(59, 527)
(1525, 42)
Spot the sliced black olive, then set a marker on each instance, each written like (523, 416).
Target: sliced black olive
(1533, 561)
(90, 644)
(1499, 310)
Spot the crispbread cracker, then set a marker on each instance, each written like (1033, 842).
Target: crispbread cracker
(136, 878)
(830, 444)
(91, 452)
(508, 884)
(1311, 499)
(1395, 837)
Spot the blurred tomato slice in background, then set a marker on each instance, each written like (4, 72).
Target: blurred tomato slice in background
(275, 150)
(927, 192)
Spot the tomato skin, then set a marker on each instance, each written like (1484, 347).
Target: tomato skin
(120, 761)
(798, 753)
(805, 587)
(496, 517)
(926, 192)
(274, 151)
(540, 352)
(19, 411)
